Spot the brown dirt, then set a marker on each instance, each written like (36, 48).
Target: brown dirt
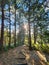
(21, 54)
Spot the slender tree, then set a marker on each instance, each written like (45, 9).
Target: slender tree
(2, 25)
(29, 39)
(15, 24)
(9, 26)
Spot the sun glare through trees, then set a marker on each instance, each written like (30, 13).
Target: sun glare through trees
(24, 32)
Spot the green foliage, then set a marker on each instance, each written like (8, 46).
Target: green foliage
(45, 48)
(42, 47)
(36, 46)
(46, 35)
(47, 63)
(12, 46)
(37, 11)
(5, 48)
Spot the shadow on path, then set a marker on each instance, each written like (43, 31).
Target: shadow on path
(21, 55)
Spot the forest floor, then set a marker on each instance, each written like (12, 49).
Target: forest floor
(21, 55)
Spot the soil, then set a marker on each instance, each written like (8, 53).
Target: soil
(22, 56)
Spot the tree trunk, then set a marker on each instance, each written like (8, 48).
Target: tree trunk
(41, 35)
(15, 26)
(35, 35)
(9, 27)
(29, 40)
(15, 30)
(2, 26)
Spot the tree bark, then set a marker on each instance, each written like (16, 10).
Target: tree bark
(15, 26)
(41, 35)
(9, 27)
(35, 35)
(29, 40)
(2, 26)
(30, 48)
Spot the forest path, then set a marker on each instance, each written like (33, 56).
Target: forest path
(21, 54)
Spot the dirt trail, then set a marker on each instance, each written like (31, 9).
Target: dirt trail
(21, 54)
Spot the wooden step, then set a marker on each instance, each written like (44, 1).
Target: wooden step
(22, 64)
(20, 58)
